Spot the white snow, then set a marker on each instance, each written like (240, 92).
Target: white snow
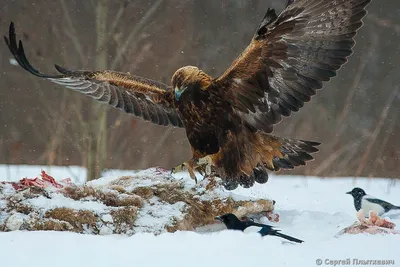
(107, 218)
(105, 230)
(226, 248)
(17, 172)
(310, 208)
(158, 215)
(60, 201)
(147, 178)
(15, 221)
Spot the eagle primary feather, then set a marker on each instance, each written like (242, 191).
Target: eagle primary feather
(290, 57)
(228, 119)
(147, 99)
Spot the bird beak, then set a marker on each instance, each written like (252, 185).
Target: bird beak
(179, 91)
(348, 192)
(218, 218)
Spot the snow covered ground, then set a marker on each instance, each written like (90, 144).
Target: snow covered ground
(16, 172)
(310, 208)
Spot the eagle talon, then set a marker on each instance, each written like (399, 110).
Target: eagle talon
(193, 177)
(186, 166)
(207, 161)
(208, 170)
(202, 173)
(191, 173)
(180, 168)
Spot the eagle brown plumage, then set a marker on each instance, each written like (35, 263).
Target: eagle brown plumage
(228, 120)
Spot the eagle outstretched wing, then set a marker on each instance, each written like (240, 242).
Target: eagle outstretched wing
(291, 56)
(147, 99)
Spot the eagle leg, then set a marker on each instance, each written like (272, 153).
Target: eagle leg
(186, 166)
(202, 165)
(207, 161)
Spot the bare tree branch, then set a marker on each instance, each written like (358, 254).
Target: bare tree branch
(128, 41)
(328, 162)
(376, 132)
(70, 26)
(357, 79)
(383, 22)
(382, 147)
(117, 17)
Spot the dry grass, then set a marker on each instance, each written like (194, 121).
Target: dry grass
(144, 192)
(77, 219)
(51, 225)
(119, 189)
(124, 181)
(124, 218)
(171, 193)
(22, 208)
(129, 200)
(109, 198)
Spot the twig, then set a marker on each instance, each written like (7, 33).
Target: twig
(70, 25)
(357, 79)
(158, 145)
(138, 27)
(333, 157)
(386, 23)
(382, 118)
(385, 140)
(117, 18)
(74, 176)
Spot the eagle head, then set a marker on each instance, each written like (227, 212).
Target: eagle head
(188, 78)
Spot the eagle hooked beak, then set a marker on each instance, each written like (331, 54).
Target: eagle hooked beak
(179, 91)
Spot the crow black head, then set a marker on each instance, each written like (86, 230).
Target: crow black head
(357, 192)
(231, 221)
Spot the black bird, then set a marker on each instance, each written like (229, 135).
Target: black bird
(369, 203)
(247, 226)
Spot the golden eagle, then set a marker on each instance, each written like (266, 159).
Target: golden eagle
(228, 120)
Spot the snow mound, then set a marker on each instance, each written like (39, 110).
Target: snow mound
(150, 201)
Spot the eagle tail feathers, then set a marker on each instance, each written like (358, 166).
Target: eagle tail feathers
(274, 153)
(293, 153)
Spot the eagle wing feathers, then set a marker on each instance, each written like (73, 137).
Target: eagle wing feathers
(144, 98)
(291, 55)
